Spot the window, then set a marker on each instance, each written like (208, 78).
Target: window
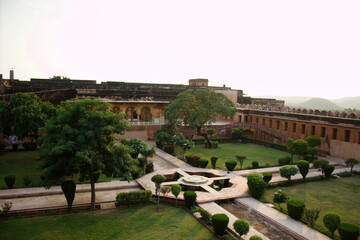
(257, 120)
(302, 128)
(277, 124)
(270, 123)
(313, 130)
(347, 135)
(323, 131)
(246, 118)
(294, 128)
(240, 118)
(285, 126)
(263, 122)
(334, 133)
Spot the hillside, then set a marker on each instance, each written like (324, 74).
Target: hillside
(348, 102)
(320, 104)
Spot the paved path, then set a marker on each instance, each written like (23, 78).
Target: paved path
(213, 208)
(294, 228)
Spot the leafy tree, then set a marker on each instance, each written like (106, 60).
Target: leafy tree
(351, 162)
(313, 141)
(136, 145)
(158, 180)
(300, 147)
(23, 115)
(164, 135)
(280, 197)
(195, 109)
(165, 190)
(175, 190)
(288, 171)
(290, 147)
(147, 152)
(237, 133)
(80, 141)
(210, 131)
(241, 159)
(59, 78)
(321, 164)
(184, 143)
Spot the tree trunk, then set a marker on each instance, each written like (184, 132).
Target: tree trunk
(92, 184)
(158, 200)
(198, 128)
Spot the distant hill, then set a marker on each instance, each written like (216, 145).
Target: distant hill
(320, 104)
(289, 101)
(348, 102)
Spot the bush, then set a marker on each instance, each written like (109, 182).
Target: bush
(308, 157)
(203, 163)
(241, 227)
(237, 133)
(303, 167)
(280, 197)
(284, 161)
(230, 164)
(331, 221)
(288, 171)
(255, 164)
(194, 161)
(348, 231)
(187, 158)
(213, 162)
(135, 171)
(329, 170)
(267, 177)
(2, 146)
(321, 164)
(211, 144)
(241, 159)
(10, 181)
(311, 215)
(134, 197)
(255, 237)
(30, 146)
(142, 162)
(295, 209)
(205, 215)
(6, 208)
(149, 168)
(69, 188)
(256, 185)
(350, 162)
(220, 222)
(210, 131)
(26, 181)
(190, 198)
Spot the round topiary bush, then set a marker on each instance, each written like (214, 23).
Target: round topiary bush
(331, 221)
(220, 222)
(295, 209)
(203, 163)
(255, 164)
(69, 187)
(10, 181)
(256, 185)
(303, 167)
(284, 161)
(230, 164)
(328, 170)
(213, 162)
(241, 226)
(255, 237)
(348, 231)
(267, 177)
(190, 198)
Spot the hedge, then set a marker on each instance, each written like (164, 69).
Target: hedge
(255, 164)
(284, 161)
(10, 181)
(255, 237)
(203, 163)
(194, 161)
(230, 164)
(328, 170)
(69, 188)
(134, 197)
(348, 231)
(303, 167)
(267, 177)
(190, 198)
(295, 209)
(220, 222)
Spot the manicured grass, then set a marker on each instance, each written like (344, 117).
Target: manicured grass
(127, 223)
(334, 195)
(25, 163)
(227, 151)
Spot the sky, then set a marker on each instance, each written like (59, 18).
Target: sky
(264, 47)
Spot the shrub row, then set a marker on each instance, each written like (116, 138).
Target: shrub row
(219, 139)
(133, 198)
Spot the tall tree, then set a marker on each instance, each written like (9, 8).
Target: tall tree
(79, 140)
(195, 109)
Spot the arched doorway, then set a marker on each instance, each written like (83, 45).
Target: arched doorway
(131, 114)
(146, 115)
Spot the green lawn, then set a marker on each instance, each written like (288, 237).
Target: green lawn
(127, 223)
(334, 195)
(24, 163)
(227, 151)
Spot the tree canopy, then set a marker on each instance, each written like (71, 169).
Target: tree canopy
(195, 109)
(79, 140)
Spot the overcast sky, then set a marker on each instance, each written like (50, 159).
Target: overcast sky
(291, 48)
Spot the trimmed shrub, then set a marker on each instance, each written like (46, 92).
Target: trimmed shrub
(348, 231)
(205, 215)
(328, 170)
(134, 197)
(10, 181)
(284, 161)
(190, 198)
(194, 161)
(331, 221)
(321, 164)
(241, 159)
(230, 164)
(203, 163)
(288, 171)
(220, 222)
(308, 157)
(2, 146)
(142, 162)
(241, 226)
(280, 197)
(295, 209)
(303, 167)
(255, 164)
(149, 168)
(237, 133)
(135, 171)
(26, 181)
(213, 162)
(69, 187)
(30, 146)
(311, 215)
(350, 162)
(175, 190)
(256, 185)
(255, 237)
(267, 177)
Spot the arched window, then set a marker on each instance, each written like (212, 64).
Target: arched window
(145, 115)
(131, 114)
